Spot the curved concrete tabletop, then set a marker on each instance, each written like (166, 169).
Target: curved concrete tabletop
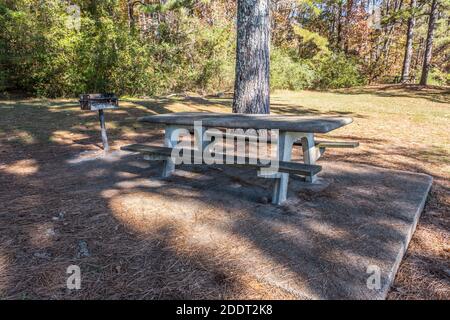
(252, 121)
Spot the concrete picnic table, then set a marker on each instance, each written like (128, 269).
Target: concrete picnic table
(291, 129)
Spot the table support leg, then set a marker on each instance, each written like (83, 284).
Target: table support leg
(285, 143)
(309, 153)
(170, 140)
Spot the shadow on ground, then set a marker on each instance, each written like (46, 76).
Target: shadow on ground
(135, 227)
(431, 93)
(201, 233)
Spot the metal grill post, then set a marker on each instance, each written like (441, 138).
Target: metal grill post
(101, 116)
(99, 102)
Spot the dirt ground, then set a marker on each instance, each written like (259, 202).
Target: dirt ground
(53, 215)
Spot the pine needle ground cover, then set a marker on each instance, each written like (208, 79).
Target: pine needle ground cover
(52, 217)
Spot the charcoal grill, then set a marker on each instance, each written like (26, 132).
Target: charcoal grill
(99, 102)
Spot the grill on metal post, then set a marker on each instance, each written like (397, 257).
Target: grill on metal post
(99, 102)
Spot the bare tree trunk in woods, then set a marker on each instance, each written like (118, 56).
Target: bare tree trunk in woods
(418, 56)
(332, 29)
(348, 14)
(130, 14)
(429, 43)
(251, 89)
(339, 26)
(409, 42)
(383, 52)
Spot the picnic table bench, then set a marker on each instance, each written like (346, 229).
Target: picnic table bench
(293, 130)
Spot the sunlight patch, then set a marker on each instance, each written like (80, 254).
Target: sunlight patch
(22, 167)
(67, 137)
(42, 235)
(21, 137)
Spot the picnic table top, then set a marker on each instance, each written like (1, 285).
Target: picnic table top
(312, 124)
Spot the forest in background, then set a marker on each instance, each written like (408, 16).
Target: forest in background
(58, 48)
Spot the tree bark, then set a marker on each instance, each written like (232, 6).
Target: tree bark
(409, 42)
(429, 43)
(251, 89)
(348, 16)
(339, 26)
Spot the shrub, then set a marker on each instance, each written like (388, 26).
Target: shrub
(42, 55)
(338, 71)
(2, 81)
(287, 73)
(438, 77)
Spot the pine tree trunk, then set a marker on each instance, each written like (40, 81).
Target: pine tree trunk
(348, 16)
(339, 26)
(409, 43)
(251, 89)
(429, 43)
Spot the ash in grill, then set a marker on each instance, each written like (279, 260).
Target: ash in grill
(99, 102)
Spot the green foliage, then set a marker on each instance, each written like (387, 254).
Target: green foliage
(438, 77)
(169, 5)
(193, 57)
(43, 55)
(333, 71)
(107, 58)
(3, 77)
(338, 71)
(287, 73)
(315, 44)
(187, 45)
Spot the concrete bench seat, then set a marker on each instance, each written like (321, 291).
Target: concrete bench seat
(162, 153)
(335, 144)
(319, 143)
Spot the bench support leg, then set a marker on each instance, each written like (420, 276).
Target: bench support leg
(170, 140)
(285, 143)
(309, 153)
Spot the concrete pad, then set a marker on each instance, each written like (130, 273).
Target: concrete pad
(323, 243)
